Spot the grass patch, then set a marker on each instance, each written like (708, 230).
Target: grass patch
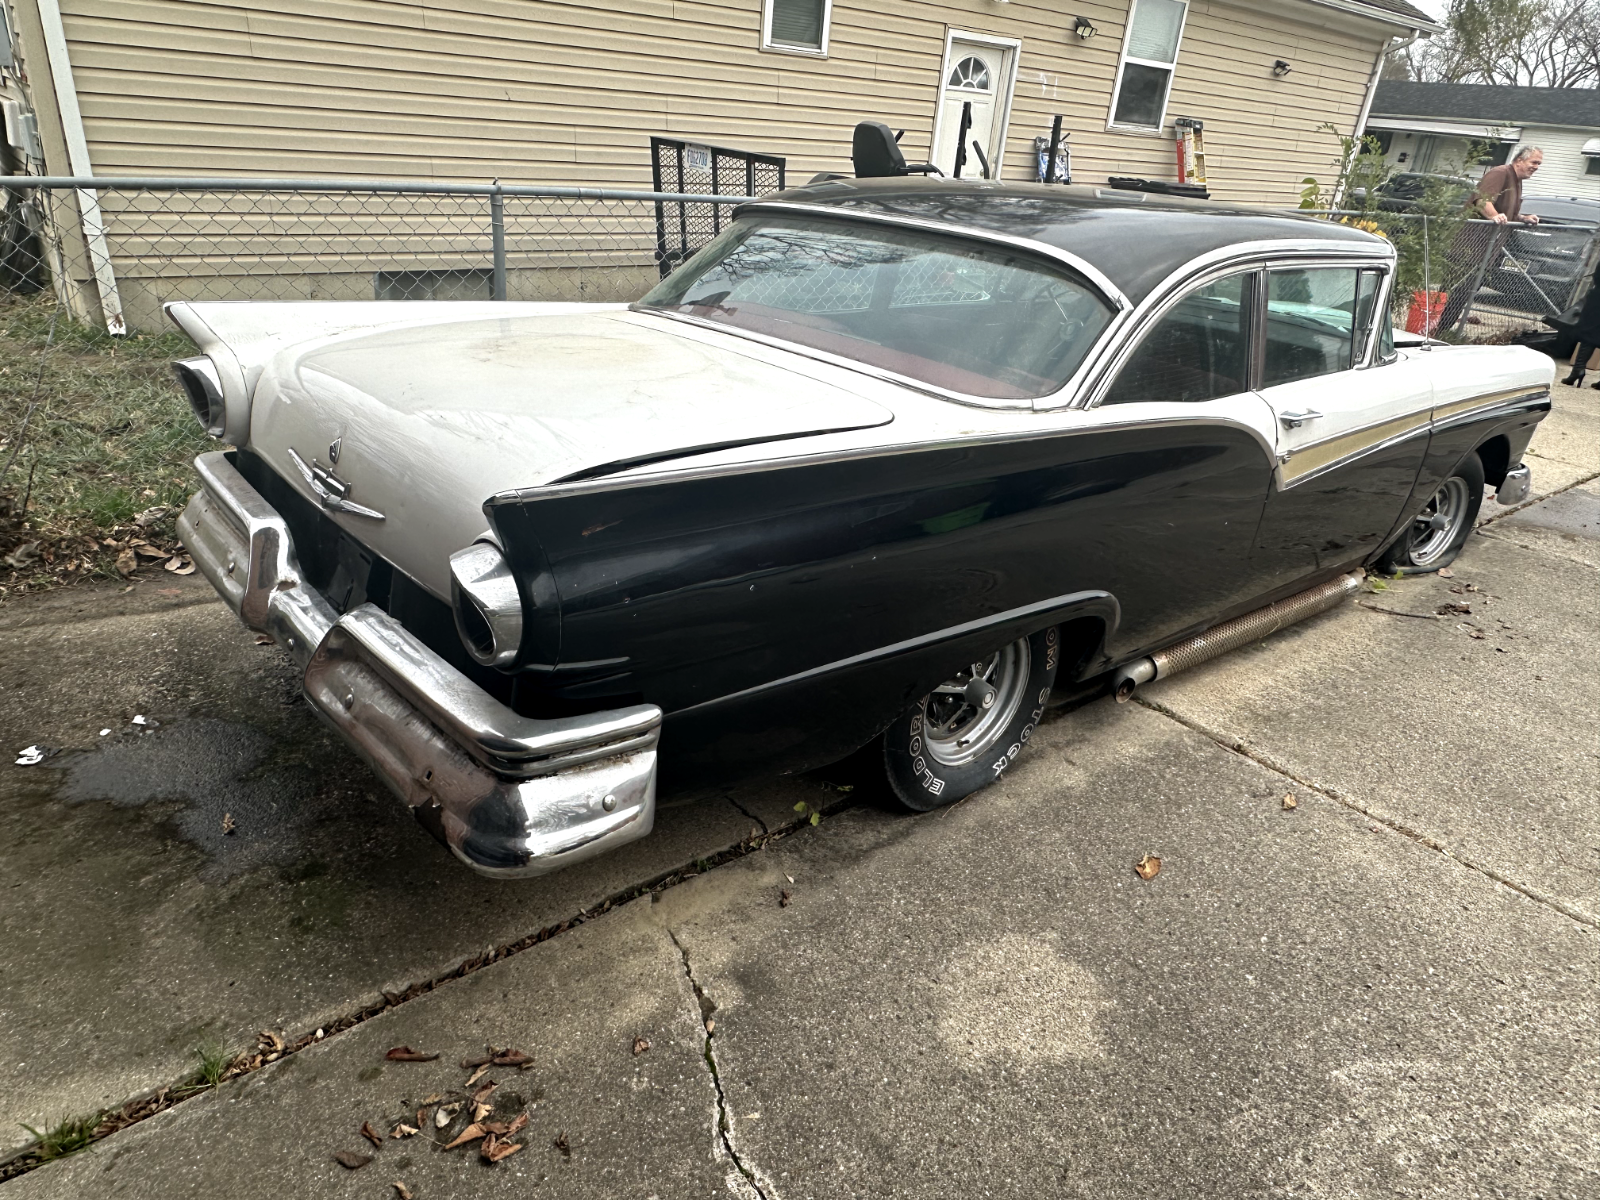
(110, 437)
(214, 1063)
(68, 1137)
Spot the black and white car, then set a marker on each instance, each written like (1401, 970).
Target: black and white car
(884, 463)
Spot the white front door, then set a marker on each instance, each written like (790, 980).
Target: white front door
(974, 96)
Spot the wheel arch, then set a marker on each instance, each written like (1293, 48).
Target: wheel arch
(1495, 455)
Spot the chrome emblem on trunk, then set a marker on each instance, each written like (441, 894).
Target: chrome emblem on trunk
(330, 489)
(333, 451)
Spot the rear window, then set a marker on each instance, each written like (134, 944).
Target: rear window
(958, 315)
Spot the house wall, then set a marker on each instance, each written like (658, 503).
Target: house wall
(1562, 171)
(569, 91)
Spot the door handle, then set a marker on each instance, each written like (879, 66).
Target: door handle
(1293, 420)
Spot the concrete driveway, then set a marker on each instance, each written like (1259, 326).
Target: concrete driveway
(1386, 989)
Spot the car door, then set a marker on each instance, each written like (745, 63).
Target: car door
(1351, 426)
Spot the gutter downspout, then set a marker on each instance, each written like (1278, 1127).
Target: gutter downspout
(1377, 74)
(94, 232)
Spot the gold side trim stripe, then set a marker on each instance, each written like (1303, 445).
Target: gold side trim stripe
(1323, 454)
(1455, 408)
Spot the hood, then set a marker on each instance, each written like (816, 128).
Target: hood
(431, 421)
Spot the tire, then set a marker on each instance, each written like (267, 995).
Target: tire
(971, 744)
(1434, 537)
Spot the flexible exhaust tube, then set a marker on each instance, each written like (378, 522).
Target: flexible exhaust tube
(1230, 635)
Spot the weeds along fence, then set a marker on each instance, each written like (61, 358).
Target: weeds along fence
(1477, 280)
(115, 250)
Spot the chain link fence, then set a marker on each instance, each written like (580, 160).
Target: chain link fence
(117, 252)
(1479, 280)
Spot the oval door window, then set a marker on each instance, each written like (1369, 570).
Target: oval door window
(970, 74)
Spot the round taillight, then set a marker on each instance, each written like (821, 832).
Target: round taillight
(203, 386)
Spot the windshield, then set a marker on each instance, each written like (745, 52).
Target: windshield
(959, 315)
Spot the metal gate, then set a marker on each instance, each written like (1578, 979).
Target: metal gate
(682, 227)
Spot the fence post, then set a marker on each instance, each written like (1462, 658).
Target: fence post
(497, 231)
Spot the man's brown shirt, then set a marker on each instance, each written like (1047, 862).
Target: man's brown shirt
(1501, 187)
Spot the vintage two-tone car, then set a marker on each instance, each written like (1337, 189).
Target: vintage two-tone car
(885, 461)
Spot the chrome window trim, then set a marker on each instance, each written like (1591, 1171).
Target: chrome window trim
(1198, 272)
(611, 483)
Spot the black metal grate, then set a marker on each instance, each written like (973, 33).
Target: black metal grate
(682, 226)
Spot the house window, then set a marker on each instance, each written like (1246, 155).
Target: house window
(796, 26)
(1149, 55)
(1591, 165)
(970, 74)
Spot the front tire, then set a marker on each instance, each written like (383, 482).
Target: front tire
(1434, 537)
(965, 733)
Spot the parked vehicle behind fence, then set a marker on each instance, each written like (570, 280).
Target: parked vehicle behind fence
(881, 465)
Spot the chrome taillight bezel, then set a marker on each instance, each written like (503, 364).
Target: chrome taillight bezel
(487, 605)
(203, 385)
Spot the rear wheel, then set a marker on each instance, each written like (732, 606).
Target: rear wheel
(1436, 534)
(968, 730)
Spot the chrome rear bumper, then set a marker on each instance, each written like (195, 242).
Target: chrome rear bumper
(515, 796)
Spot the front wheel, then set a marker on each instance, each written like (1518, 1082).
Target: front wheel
(966, 732)
(1435, 536)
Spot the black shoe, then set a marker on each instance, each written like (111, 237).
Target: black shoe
(1575, 379)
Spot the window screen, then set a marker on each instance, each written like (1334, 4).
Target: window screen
(1311, 323)
(1196, 352)
(797, 23)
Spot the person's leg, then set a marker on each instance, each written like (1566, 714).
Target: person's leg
(1579, 364)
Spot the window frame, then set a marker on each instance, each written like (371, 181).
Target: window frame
(1124, 58)
(771, 47)
(1368, 357)
(1254, 306)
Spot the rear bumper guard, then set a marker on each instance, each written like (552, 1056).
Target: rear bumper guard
(515, 796)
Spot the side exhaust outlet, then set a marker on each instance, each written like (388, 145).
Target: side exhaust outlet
(1230, 635)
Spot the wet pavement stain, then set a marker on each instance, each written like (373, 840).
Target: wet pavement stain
(235, 805)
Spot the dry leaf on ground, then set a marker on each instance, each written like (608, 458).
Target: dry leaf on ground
(1446, 573)
(401, 1191)
(371, 1134)
(640, 1045)
(180, 564)
(784, 897)
(483, 1069)
(228, 823)
(1148, 867)
(470, 1134)
(263, 639)
(352, 1161)
(445, 1114)
(407, 1054)
(126, 563)
(403, 1130)
(1289, 801)
(483, 1093)
(270, 1040)
(505, 1130)
(146, 550)
(562, 1144)
(494, 1150)
(510, 1058)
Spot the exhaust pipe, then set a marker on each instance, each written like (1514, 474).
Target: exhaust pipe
(1230, 635)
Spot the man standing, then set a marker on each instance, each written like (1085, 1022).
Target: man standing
(1498, 197)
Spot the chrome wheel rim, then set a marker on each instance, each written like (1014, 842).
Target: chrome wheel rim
(1433, 538)
(958, 727)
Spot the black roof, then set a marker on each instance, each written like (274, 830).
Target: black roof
(1401, 9)
(1135, 238)
(1488, 103)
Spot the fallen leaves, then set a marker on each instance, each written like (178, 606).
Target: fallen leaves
(493, 1149)
(470, 1134)
(483, 1069)
(497, 1058)
(445, 1113)
(562, 1144)
(1289, 802)
(403, 1130)
(228, 823)
(126, 563)
(351, 1161)
(1446, 573)
(407, 1054)
(401, 1191)
(640, 1045)
(1148, 867)
(1454, 606)
(371, 1134)
(784, 898)
(180, 564)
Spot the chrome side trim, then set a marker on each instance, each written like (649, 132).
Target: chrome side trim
(512, 795)
(720, 470)
(1040, 610)
(1478, 407)
(1318, 458)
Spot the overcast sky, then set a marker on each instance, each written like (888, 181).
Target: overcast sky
(1434, 8)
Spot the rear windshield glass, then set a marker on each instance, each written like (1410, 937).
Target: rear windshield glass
(958, 315)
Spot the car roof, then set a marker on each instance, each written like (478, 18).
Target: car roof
(1136, 239)
(1571, 208)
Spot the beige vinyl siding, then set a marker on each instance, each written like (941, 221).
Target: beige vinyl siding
(565, 92)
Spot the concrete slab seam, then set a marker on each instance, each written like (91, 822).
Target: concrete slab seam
(749, 814)
(1536, 498)
(159, 1100)
(758, 1182)
(1510, 540)
(1235, 746)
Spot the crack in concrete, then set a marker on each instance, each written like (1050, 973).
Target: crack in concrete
(749, 814)
(1513, 509)
(1235, 746)
(724, 1129)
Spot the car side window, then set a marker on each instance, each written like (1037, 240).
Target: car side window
(1198, 351)
(1312, 321)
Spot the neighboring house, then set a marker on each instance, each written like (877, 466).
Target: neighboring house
(1436, 127)
(571, 91)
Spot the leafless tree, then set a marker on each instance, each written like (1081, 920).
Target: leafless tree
(1519, 43)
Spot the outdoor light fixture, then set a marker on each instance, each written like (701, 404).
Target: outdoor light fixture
(1280, 69)
(1082, 27)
